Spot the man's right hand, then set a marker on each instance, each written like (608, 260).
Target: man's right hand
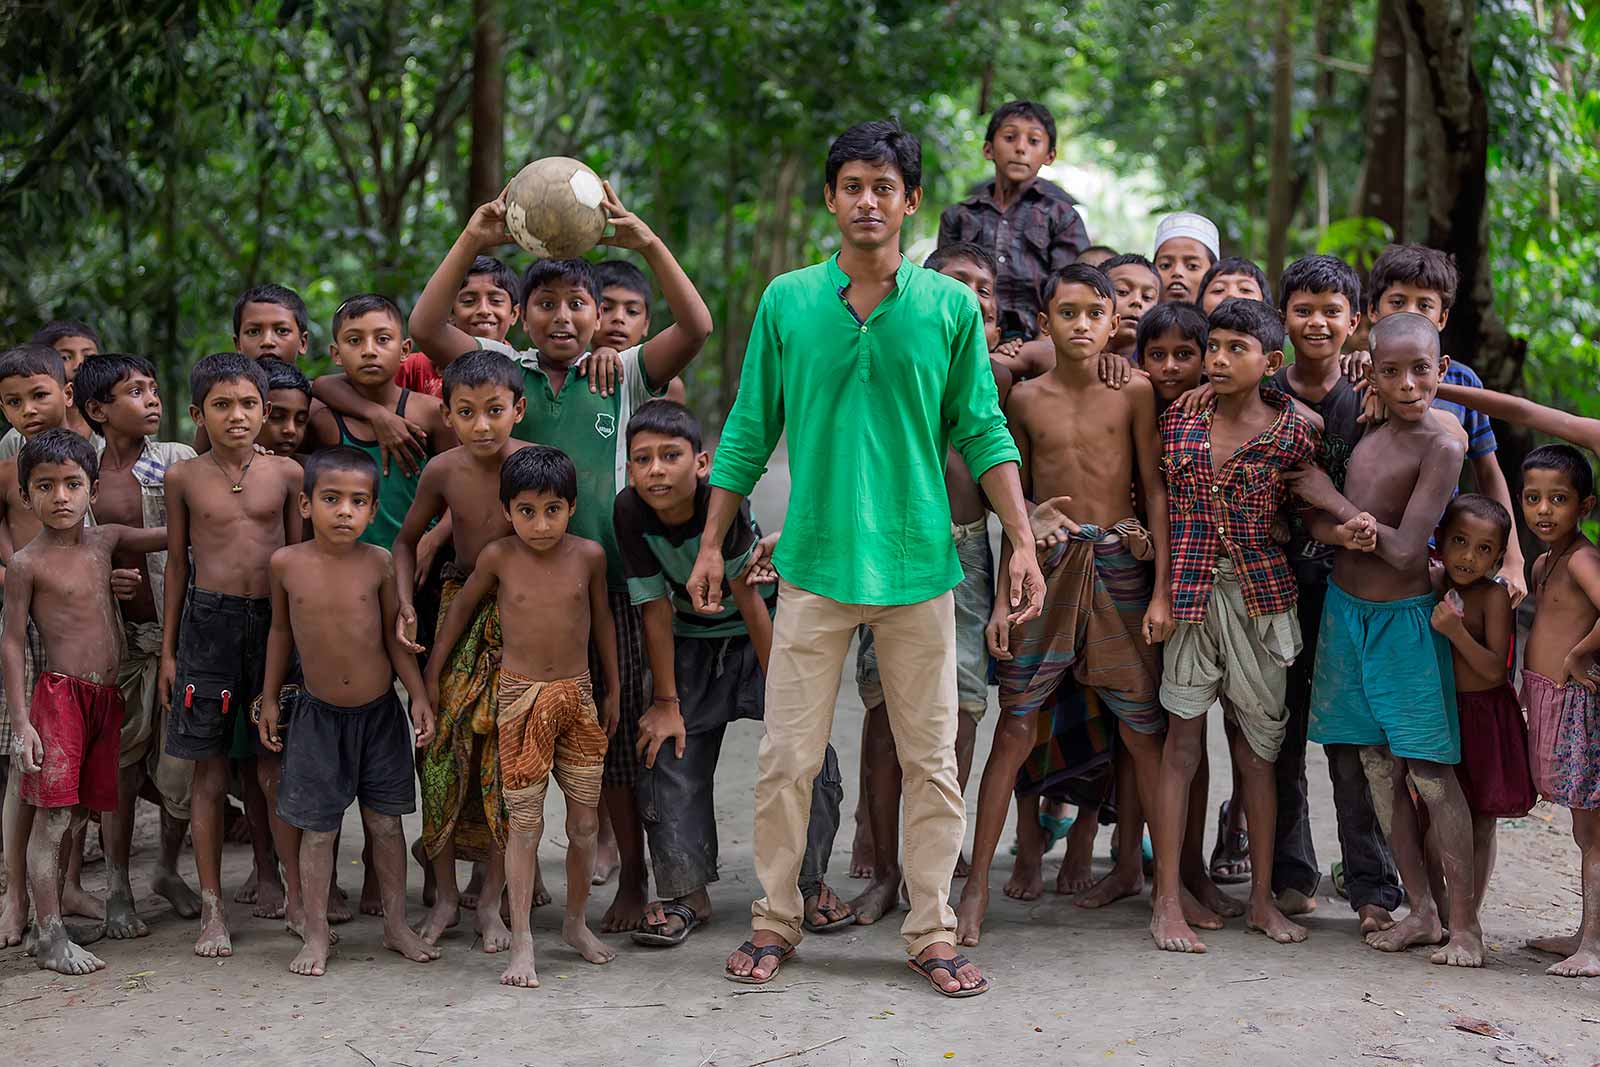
(400, 439)
(705, 582)
(661, 723)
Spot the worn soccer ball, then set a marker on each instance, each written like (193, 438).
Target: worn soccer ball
(553, 208)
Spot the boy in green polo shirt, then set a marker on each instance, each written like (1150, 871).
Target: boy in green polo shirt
(560, 314)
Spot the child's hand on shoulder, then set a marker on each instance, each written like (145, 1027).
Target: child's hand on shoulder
(400, 439)
(1355, 365)
(27, 748)
(1115, 370)
(422, 722)
(603, 368)
(1197, 400)
(1158, 624)
(1050, 524)
(1009, 349)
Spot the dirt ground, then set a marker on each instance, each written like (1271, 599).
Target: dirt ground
(1071, 986)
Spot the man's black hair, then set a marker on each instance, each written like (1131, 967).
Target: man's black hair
(1130, 259)
(1243, 315)
(667, 418)
(56, 329)
(1563, 459)
(481, 367)
(281, 375)
(502, 276)
(1175, 314)
(881, 141)
(1023, 109)
(339, 458)
(542, 272)
(31, 359)
(1405, 324)
(1234, 265)
(57, 445)
(366, 304)
(272, 294)
(967, 250)
(1320, 274)
(1479, 506)
(1077, 274)
(620, 274)
(1419, 265)
(225, 367)
(100, 374)
(538, 469)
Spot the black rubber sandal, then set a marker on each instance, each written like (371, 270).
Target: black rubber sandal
(953, 964)
(647, 936)
(848, 919)
(783, 952)
(1231, 850)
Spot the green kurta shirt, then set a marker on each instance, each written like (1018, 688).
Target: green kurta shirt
(871, 408)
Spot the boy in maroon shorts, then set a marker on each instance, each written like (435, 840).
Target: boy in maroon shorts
(67, 740)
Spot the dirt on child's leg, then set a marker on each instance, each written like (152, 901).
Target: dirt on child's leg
(314, 864)
(582, 827)
(1392, 801)
(18, 825)
(210, 782)
(122, 920)
(265, 890)
(1584, 960)
(388, 844)
(168, 882)
(76, 900)
(285, 840)
(1169, 825)
(48, 844)
(1446, 804)
(1260, 782)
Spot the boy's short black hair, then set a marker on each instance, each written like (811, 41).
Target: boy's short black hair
(30, 360)
(56, 329)
(967, 250)
(1243, 315)
(1320, 273)
(481, 367)
(281, 375)
(1025, 109)
(272, 294)
(1107, 250)
(1478, 506)
(1077, 274)
(366, 304)
(620, 274)
(667, 418)
(225, 367)
(502, 276)
(881, 141)
(57, 445)
(1234, 265)
(1175, 314)
(100, 374)
(1129, 259)
(538, 469)
(579, 272)
(339, 458)
(1419, 265)
(1563, 459)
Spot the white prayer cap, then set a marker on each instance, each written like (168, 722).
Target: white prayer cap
(1188, 224)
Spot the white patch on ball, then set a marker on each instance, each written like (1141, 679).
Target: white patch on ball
(586, 188)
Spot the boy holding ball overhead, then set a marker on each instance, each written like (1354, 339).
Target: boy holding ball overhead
(560, 314)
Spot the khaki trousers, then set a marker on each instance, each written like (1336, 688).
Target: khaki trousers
(917, 661)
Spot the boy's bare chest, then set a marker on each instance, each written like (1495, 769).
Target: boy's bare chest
(258, 504)
(553, 590)
(1381, 477)
(119, 499)
(76, 575)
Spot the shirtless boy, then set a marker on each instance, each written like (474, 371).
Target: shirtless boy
(333, 599)
(551, 590)
(1384, 678)
(67, 736)
(231, 509)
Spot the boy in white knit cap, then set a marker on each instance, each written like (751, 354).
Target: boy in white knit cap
(1187, 246)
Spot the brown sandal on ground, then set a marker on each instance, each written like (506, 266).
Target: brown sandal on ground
(783, 952)
(953, 964)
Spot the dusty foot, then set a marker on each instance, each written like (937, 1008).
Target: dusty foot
(338, 906)
(14, 918)
(1077, 867)
(469, 895)
(268, 896)
(1026, 881)
(429, 886)
(313, 958)
(1556, 946)
(1266, 918)
(59, 954)
(1170, 930)
(1294, 902)
(213, 940)
(606, 865)
(1113, 887)
(1196, 913)
(825, 907)
(1417, 928)
(576, 933)
(76, 900)
(541, 895)
(398, 937)
(880, 898)
(491, 929)
(444, 914)
(1212, 896)
(625, 909)
(247, 891)
(969, 914)
(298, 929)
(1464, 949)
(1374, 919)
(185, 901)
(371, 895)
(122, 921)
(520, 971)
(861, 862)
(1583, 963)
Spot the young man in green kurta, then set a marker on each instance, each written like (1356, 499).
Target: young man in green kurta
(876, 366)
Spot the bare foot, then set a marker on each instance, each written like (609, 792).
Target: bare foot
(625, 910)
(520, 971)
(1464, 949)
(491, 929)
(268, 896)
(1212, 896)
(1170, 930)
(76, 900)
(469, 895)
(541, 895)
(576, 933)
(1113, 887)
(1266, 918)
(606, 864)
(1026, 881)
(371, 895)
(213, 940)
(122, 921)
(246, 893)
(56, 952)
(1294, 902)
(880, 898)
(1584, 963)
(14, 917)
(313, 958)
(1196, 913)
(297, 927)
(398, 937)
(1077, 872)
(338, 906)
(1556, 946)
(970, 912)
(185, 901)
(1374, 919)
(861, 862)
(1417, 928)
(429, 886)
(445, 913)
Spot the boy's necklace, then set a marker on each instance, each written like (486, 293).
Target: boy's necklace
(1538, 586)
(237, 486)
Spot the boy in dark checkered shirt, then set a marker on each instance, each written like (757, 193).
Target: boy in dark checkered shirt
(1233, 599)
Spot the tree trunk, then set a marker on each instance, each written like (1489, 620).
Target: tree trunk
(1381, 189)
(1278, 181)
(486, 174)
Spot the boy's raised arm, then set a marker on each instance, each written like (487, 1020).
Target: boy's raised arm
(280, 641)
(144, 539)
(431, 330)
(177, 582)
(19, 599)
(1585, 433)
